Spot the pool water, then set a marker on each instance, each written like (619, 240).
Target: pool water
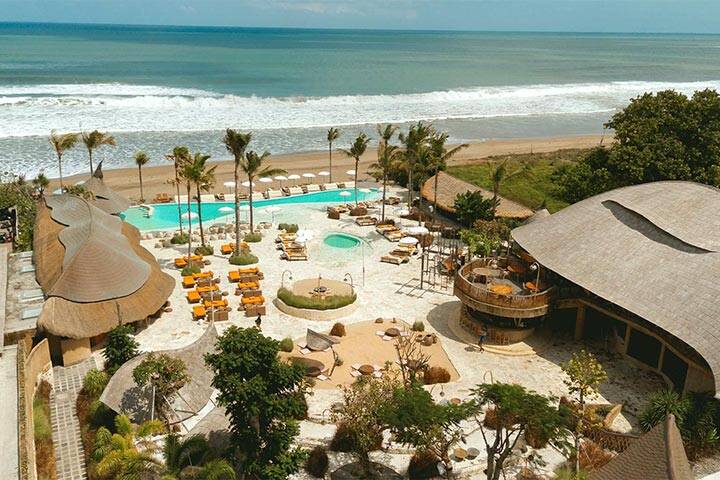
(165, 215)
(341, 240)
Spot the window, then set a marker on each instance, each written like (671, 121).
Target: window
(644, 348)
(675, 368)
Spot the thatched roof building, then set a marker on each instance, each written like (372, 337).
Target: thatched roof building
(449, 187)
(103, 197)
(93, 270)
(124, 396)
(657, 455)
(653, 250)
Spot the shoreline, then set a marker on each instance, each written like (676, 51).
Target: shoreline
(155, 178)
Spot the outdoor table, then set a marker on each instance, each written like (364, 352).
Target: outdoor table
(366, 369)
(455, 401)
(500, 289)
(460, 454)
(392, 332)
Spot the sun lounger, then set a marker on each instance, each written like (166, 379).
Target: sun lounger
(366, 221)
(355, 373)
(220, 197)
(227, 248)
(193, 297)
(394, 260)
(312, 188)
(180, 263)
(248, 285)
(257, 196)
(285, 237)
(350, 184)
(199, 312)
(257, 300)
(270, 193)
(295, 191)
(188, 282)
(323, 378)
(329, 186)
(207, 274)
(162, 198)
(381, 229)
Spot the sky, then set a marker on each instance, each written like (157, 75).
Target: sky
(666, 16)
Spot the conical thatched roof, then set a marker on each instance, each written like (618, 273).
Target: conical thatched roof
(124, 396)
(449, 187)
(92, 270)
(651, 249)
(657, 455)
(105, 198)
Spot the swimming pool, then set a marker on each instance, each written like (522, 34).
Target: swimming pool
(341, 241)
(165, 215)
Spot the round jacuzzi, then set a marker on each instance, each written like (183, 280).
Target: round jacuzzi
(342, 241)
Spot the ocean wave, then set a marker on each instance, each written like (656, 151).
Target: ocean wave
(29, 110)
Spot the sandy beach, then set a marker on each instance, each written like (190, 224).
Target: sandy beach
(155, 179)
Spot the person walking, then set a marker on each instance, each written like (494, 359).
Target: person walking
(482, 337)
(258, 322)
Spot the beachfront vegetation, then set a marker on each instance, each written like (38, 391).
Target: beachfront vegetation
(16, 192)
(253, 165)
(263, 397)
(166, 374)
(40, 183)
(288, 227)
(356, 150)
(388, 158)
(179, 239)
(236, 143)
(61, 143)
(42, 432)
(128, 452)
(243, 258)
(252, 237)
(120, 347)
(472, 206)
(94, 140)
(485, 237)
(191, 269)
(327, 303)
(317, 462)
(439, 156)
(332, 135)
(141, 159)
(177, 157)
(95, 382)
(199, 173)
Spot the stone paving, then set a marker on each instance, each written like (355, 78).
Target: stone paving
(69, 457)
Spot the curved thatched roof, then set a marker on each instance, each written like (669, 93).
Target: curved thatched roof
(657, 455)
(449, 187)
(651, 249)
(92, 270)
(105, 198)
(124, 396)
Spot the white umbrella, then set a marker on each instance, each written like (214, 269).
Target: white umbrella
(272, 211)
(265, 179)
(246, 183)
(401, 212)
(281, 178)
(324, 174)
(294, 176)
(226, 210)
(350, 172)
(345, 193)
(308, 175)
(417, 230)
(229, 184)
(364, 190)
(188, 215)
(408, 240)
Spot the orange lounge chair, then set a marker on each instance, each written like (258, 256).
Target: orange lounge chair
(188, 282)
(259, 300)
(248, 285)
(209, 288)
(226, 249)
(208, 274)
(199, 312)
(180, 262)
(193, 297)
(216, 303)
(233, 276)
(249, 271)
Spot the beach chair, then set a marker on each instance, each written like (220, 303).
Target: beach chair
(257, 196)
(220, 197)
(270, 193)
(329, 186)
(180, 262)
(366, 221)
(188, 282)
(233, 276)
(193, 297)
(312, 188)
(295, 191)
(227, 248)
(162, 198)
(350, 184)
(199, 312)
(394, 259)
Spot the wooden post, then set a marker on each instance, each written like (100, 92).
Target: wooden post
(580, 322)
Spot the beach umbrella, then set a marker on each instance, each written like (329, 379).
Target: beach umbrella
(350, 172)
(227, 211)
(188, 215)
(345, 193)
(308, 175)
(408, 241)
(417, 230)
(281, 178)
(229, 184)
(324, 174)
(364, 190)
(265, 179)
(294, 176)
(272, 210)
(246, 183)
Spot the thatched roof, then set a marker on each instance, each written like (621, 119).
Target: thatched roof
(214, 426)
(105, 198)
(657, 455)
(651, 249)
(92, 270)
(124, 396)
(449, 187)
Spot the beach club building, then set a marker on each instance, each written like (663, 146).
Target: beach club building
(637, 267)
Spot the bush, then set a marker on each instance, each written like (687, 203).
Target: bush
(343, 440)
(472, 206)
(287, 344)
(423, 464)
(180, 239)
(189, 270)
(328, 303)
(338, 330)
(243, 258)
(252, 238)
(317, 462)
(435, 375)
(100, 415)
(205, 250)
(418, 326)
(288, 227)
(119, 348)
(94, 382)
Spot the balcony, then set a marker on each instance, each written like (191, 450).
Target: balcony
(503, 287)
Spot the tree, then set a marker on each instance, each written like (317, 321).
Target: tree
(415, 419)
(41, 182)
(96, 139)
(141, 159)
(62, 142)
(388, 157)
(14, 193)
(217, 469)
(498, 175)
(263, 396)
(197, 172)
(126, 454)
(584, 376)
(236, 143)
(253, 167)
(332, 135)
(472, 206)
(589, 176)
(439, 157)
(179, 453)
(178, 156)
(120, 347)
(386, 132)
(511, 412)
(166, 375)
(356, 150)
(414, 141)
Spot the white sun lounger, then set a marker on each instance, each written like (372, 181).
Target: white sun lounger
(329, 186)
(257, 196)
(350, 184)
(273, 193)
(295, 191)
(312, 188)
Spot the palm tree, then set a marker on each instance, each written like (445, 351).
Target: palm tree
(388, 156)
(414, 141)
(179, 453)
(141, 158)
(40, 183)
(356, 150)
(439, 158)
(386, 132)
(236, 143)
(332, 135)
(96, 139)
(62, 142)
(498, 175)
(178, 156)
(218, 469)
(204, 179)
(252, 166)
(186, 174)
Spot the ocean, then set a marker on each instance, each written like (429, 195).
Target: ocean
(157, 87)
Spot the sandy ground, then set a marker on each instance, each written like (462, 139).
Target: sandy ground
(155, 179)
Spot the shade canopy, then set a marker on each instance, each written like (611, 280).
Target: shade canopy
(226, 209)
(350, 172)
(265, 179)
(246, 183)
(417, 230)
(324, 174)
(294, 176)
(281, 178)
(345, 194)
(308, 175)
(408, 241)
(229, 184)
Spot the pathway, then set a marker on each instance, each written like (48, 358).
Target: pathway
(69, 458)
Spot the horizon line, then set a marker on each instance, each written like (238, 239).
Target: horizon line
(365, 29)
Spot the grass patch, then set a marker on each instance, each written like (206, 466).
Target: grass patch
(252, 238)
(529, 187)
(328, 303)
(180, 239)
(204, 250)
(243, 258)
(44, 451)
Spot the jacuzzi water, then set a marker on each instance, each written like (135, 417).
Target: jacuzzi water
(341, 240)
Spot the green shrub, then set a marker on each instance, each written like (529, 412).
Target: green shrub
(435, 375)
(243, 258)
(205, 250)
(119, 348)
(100, 415)
(418, 326)
(189, 270)
(94, 382)
(288, 227)
(328, 303)
(287, 344)
(338, 330)
(180, 239)
(41, 413)
(252, 238)
(343, 440)
(317, 462)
